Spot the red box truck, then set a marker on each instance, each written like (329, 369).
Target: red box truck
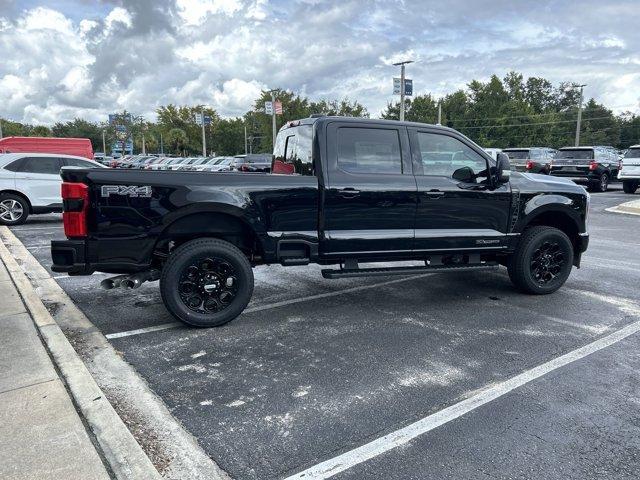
(80, 147)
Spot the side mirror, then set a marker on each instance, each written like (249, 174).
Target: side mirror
(464, 175)
(503, 168)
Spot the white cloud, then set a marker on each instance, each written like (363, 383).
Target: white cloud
(118, 15)
(142, 54)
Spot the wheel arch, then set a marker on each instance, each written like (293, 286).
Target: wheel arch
(212, 224)
(563, 218)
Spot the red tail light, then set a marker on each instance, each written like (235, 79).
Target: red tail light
(529, 165)
(75, 197)
(593, 165)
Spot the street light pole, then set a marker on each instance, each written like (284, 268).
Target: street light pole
(439, 113)
(0, 128)
(245, 139)
(104, 143)
(402, 64)
(579, 116)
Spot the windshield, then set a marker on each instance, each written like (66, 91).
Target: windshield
(517, 154)
(633, 153)
(577, 154)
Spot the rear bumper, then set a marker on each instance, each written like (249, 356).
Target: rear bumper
(69, 256)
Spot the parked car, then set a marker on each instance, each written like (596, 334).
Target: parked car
(223, 164)
(380, 191)
(30, 183)
(254, 162)
(193, 165)
(629, 172)
(65, 146)
(163, 163)
(183, 164)
(531, 159)
(595, 167)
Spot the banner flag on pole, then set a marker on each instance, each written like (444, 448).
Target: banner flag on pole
(278, 107)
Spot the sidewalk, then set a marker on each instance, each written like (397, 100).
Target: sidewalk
(41, 433)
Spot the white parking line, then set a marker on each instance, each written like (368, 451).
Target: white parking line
(28, 229)
(259, 308)
(400, 437)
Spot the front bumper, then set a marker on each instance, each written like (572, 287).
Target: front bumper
(69, 256)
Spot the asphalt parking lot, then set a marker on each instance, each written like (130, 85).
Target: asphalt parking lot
(316, 368)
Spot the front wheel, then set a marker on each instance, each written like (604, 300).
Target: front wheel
(542, 261)
(14, 209)
(630, 186)
(206, 282)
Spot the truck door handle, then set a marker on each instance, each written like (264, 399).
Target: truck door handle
(434, 193)
(348, 192)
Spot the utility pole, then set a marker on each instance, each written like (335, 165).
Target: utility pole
(273, 118)
(439, 113)
(144, 147)
(204, 139)
(579, 116)
(161, 145)
(245, 139)
(104, 143)
(402, 64)
(0, 128)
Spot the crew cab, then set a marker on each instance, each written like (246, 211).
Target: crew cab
(629, 173)
(531, 159)
(343, 191)
(594, 167)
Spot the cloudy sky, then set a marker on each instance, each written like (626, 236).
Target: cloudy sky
(65, 58)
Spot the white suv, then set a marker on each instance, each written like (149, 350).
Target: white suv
(30, 183)
(629, 171)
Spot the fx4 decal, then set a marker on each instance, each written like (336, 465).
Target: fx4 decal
(128, 190)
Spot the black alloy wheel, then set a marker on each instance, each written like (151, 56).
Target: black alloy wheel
(206, 282)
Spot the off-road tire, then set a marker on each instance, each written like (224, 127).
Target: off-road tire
(520, 267)
(183, 258)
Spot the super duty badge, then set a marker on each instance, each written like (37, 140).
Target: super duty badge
(127, 190)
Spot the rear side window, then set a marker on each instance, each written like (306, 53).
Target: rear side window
(369, 150)
(633, 153)
(15, 166)
(293, 152)
(48, 165)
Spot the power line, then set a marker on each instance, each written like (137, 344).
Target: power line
(532, 124)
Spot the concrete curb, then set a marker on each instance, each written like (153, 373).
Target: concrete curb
(174, 451)
(630, 208)
(123, 454)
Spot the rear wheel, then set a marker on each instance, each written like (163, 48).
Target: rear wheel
(542, 261)
(601, 185)
(630, 186)
(14, 209)
(206, 283)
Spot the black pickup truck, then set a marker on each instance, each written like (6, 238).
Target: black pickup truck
(342, 191)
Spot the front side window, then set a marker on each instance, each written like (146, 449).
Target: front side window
(369, 150)
(47, 165)
(447, 156)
